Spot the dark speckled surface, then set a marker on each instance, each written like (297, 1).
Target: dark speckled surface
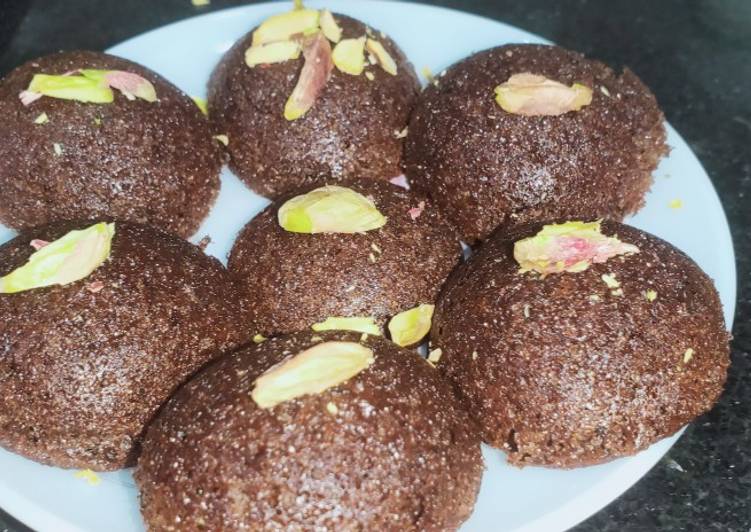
(696, 57)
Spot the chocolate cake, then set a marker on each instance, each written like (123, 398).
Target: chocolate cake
(353, 129)
(388, 448)
(578, 367)
(145, 156)
(550, 155)
(85, 365)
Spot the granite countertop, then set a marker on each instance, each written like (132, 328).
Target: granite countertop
(696, 57)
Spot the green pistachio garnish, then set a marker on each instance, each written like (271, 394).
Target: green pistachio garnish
(201, 104)
(568, 247)
(284, 25)
(337, 323)
(311, 371)
(330, 209)
(532, 95)
(78, 88)
(63, 261)
(89, 86)
(349, 56)
(411, 326)
(42, 119)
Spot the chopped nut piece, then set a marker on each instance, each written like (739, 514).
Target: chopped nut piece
(382, 56)
(283, 26)
(610, 280)
(604, 90)
(329, 27)
(312, 371)
(474, 355)
(650, 295)
(532, 95)
(370, 76)
(224, 139)
(400, 181)
(68, 259)
(330, 209)
(435, 355)
(89, 476)
(371, 258)
(41, 119)
(375, 248)
(526, 311)
(314, 75)
(617, 292)
(201, 104)
(688, 355)
(427, 74)
(38, 243)
(259, 338)
(364, 324)
(568, 247)
(410, 326)
(273, 52)
(57, 148)
(415, 212)
(349, 56)
(332, 408)
(402, 134)
(594, 297)
(95, 287)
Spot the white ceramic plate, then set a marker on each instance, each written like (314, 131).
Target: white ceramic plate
(532, 499)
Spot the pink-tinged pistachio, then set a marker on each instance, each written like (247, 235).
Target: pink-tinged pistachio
(312, 371)
(568, 247)
(415, 212)
(131, 85)
(330, 209)
(314, 75)
(63, 261)
(95, 287)
(28, 97)
(532, 95)
(38, 243)
(400, 181)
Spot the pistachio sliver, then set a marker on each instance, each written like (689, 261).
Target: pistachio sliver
(382, 56)
(532, 95)
(340, 323)
(131, 85)
(314, 75)
(349, 56)
(274, 52)
(283, 26)
(409, 327)
(312, 371)
(329, 27)
(78, 88)
(66, 260)
(568, 247)
(330, 209)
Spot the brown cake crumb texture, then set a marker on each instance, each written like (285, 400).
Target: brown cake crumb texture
(83, 367)
(351, 131)
(486, 167)
(563, 371)
(293, 280)
(396, 452)
(148, 162)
